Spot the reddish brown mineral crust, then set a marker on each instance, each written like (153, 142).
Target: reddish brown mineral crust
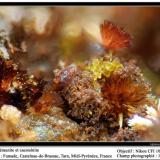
(43, 104)
(85, 103)
(125, 134)
(16, 87)
(46, 102)
(64, 76)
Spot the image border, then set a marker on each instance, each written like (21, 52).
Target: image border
(76, 4)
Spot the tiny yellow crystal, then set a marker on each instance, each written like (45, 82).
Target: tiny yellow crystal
(99, 67)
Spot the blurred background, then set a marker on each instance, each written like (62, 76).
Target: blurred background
(49, 35)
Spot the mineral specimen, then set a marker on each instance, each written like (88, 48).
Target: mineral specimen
(106, 98)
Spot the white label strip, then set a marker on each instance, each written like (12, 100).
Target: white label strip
(80, 152)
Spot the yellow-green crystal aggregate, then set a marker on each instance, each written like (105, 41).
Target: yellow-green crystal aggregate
(99, 67)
